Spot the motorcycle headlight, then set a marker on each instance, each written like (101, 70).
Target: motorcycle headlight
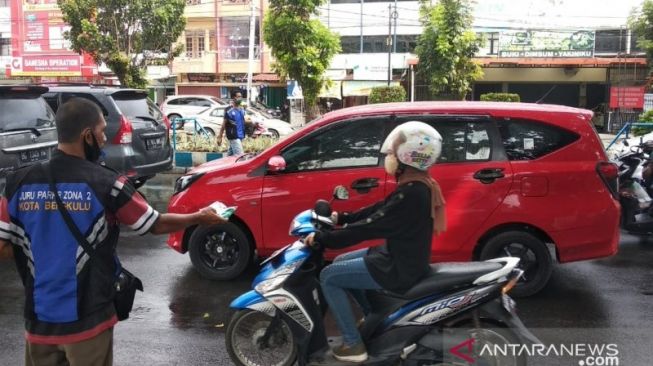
(185, 181)
(278, 277)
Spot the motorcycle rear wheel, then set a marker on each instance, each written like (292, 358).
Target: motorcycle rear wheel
(243, 340)
(476, 346)
(492, 336)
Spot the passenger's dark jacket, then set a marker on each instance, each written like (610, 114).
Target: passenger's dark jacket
(404, 220)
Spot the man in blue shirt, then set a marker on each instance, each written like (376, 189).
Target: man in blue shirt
(234, 126)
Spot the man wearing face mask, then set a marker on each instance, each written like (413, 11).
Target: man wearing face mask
(407, 219)
(69, 311)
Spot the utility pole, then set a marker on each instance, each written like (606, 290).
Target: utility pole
(361, 26)
(394, 36)
(389, 44)
(391, 15)
(250, 64)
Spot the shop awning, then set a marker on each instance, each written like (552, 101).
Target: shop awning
(559, 62)
(359, 88)
(333, 91)
(270, 78)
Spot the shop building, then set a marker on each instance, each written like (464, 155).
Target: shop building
(216, 52)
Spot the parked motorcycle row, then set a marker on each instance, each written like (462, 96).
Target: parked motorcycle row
(635, 165)
(447, 318)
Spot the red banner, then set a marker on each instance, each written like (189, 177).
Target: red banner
(38, 44)
(627, 97)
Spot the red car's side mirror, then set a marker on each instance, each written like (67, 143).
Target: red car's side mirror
(276, 164)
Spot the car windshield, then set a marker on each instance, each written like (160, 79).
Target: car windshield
(137, 105)
(24, 113)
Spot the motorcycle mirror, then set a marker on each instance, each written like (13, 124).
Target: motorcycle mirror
(340, 193)
(322, 208)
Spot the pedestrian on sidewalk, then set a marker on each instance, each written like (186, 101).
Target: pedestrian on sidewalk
(233, 126)
(69, 295)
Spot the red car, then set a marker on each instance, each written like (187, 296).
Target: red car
(520, 179)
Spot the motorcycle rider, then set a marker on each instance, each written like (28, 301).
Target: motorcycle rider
(407, 219)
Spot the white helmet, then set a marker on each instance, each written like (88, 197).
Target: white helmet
(415, 144)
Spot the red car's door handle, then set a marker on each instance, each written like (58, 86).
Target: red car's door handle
(488, 176)
(365, 184)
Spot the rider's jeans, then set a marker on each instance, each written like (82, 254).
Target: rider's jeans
(348, 272)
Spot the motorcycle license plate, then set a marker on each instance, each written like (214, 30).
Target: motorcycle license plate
(508, 303)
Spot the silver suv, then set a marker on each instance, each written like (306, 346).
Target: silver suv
(28, 133)
(137, 145)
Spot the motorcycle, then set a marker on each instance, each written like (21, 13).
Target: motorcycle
(635, 170)
(449, 316)
(256, 129)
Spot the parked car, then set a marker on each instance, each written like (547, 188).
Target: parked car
(519, 180)
(183, 106)
(28, 133)
(137, 132)
(211, 119)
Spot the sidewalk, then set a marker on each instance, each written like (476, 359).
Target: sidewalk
(607, 138)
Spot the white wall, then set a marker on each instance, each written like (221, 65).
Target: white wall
(349, 61)
(488, 15)
(5, 24)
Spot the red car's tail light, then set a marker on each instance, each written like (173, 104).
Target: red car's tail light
(609, 173)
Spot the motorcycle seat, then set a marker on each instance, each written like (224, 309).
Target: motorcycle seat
(448, 276)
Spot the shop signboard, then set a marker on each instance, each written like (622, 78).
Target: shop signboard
(38, 44)
(627, 97)
(549, 44)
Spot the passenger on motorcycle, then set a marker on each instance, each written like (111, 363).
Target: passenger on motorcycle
(406, 219)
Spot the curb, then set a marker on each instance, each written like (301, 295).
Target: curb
(187, 159)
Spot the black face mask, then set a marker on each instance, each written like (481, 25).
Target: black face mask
(92, 152)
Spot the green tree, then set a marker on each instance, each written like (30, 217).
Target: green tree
(387, 94)
(301, 45)
(446, 48)
(642, 25)
(125, 34)
(646, 117)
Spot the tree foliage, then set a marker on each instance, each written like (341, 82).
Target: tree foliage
(446, 48)
(301, 45)
(387, 94)
(642, 25)
(646, 117)
(124, 34)
(500, 97)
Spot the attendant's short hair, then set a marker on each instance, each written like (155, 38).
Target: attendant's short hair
(74, 116)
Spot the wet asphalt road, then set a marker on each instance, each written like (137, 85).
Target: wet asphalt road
(181, 318)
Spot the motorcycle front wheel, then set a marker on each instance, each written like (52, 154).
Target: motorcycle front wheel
(251, 342)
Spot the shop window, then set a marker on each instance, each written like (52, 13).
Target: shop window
(234, 38)
(5, 47)
(195, 43)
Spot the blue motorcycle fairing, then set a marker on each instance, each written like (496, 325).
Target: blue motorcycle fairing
(248, 298)
(302, 224)
(399, 313)
(297, 251)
